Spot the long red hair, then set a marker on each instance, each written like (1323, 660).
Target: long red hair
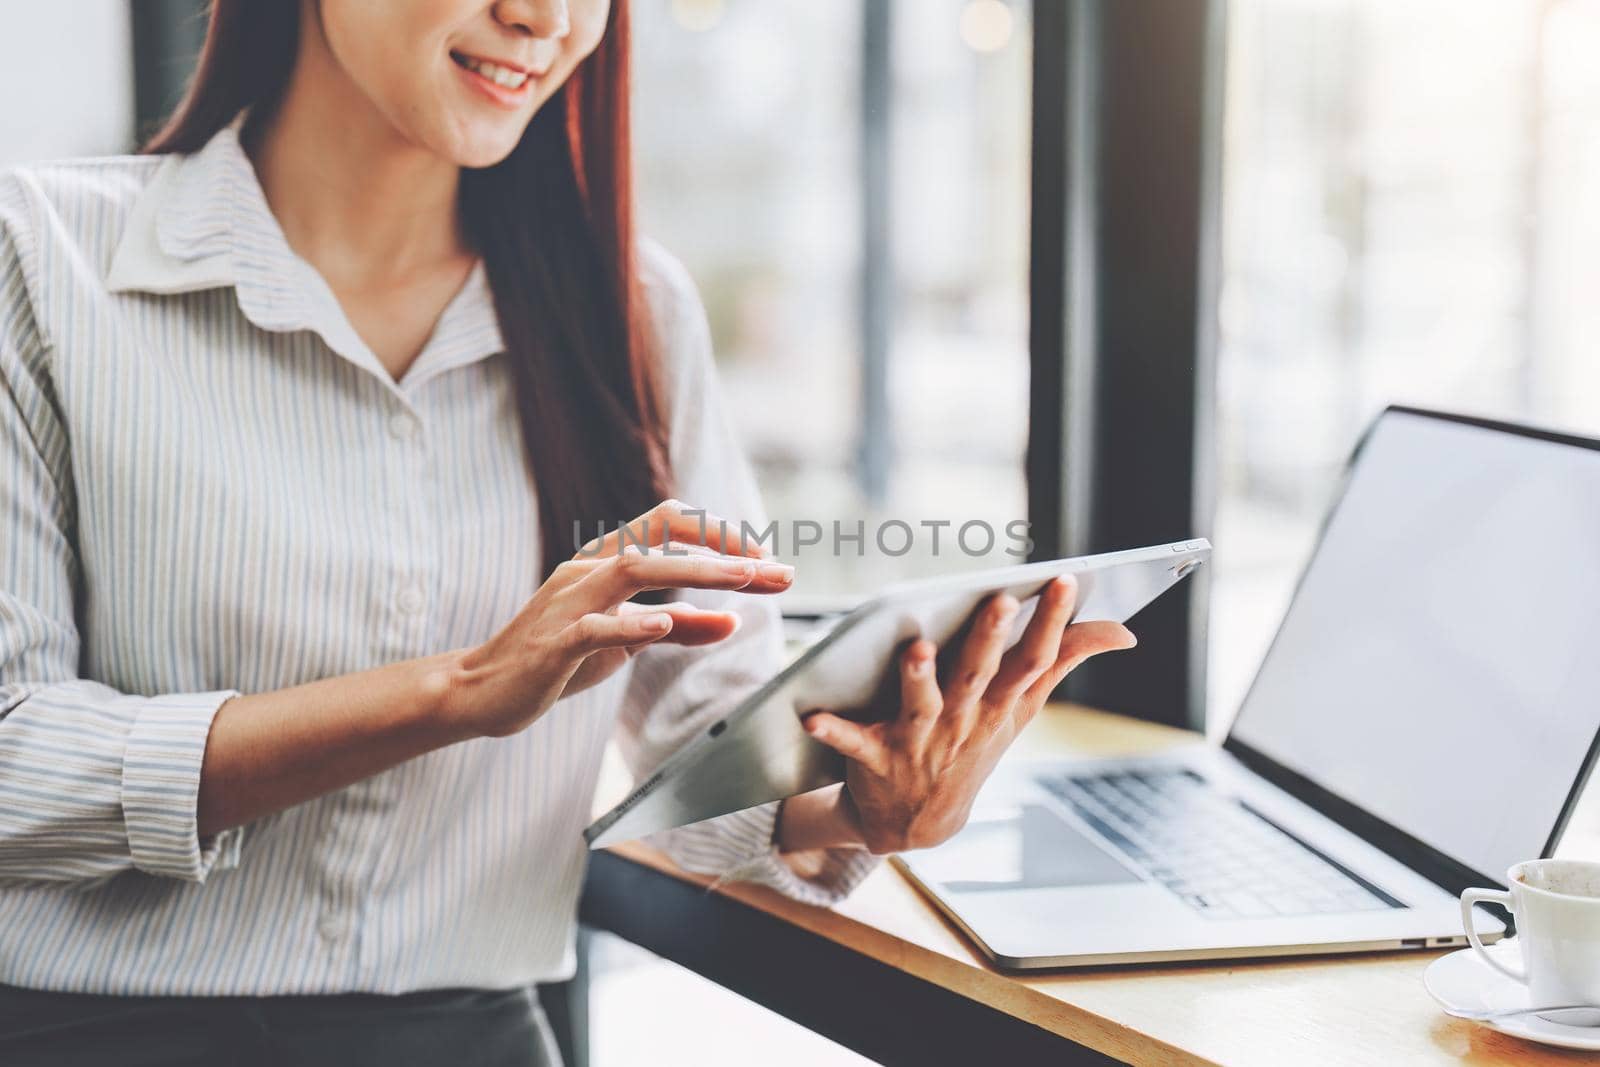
(554, 223)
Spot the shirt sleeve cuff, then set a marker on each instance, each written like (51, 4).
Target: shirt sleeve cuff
(745, 851)
(161, 789)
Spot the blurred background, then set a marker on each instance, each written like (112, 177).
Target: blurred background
(887, 204)
(785, 178)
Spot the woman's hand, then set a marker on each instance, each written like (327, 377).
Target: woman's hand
(270, 751)
(579, 627)
(911, 780)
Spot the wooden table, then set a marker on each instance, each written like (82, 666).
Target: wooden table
(886, 974)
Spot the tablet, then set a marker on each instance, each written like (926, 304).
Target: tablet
(759, 752)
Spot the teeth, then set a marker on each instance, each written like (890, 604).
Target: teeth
(503, 76)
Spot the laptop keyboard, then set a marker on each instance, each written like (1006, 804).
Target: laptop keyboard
(1220, 856)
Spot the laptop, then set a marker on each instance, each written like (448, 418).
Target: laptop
(1425, 717)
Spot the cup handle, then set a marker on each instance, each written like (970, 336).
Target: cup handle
(1469, 897)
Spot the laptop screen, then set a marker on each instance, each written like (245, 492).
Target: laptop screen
(1439, 666)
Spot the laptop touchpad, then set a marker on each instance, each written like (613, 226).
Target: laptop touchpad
(1027, 847)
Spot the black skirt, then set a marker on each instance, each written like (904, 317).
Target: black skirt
(459, 1027)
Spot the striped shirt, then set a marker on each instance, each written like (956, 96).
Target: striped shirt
(209, 485)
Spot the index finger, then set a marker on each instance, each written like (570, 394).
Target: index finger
(673, 520)
(614, 580)
(1079, 642)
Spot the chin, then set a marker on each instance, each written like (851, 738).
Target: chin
(478, 149)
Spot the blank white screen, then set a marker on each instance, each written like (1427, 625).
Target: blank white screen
(1438, 666)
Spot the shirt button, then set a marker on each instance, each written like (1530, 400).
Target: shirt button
(333, 927)
(403, 425)
(410, 600)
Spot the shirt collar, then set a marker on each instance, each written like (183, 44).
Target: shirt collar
(203, 222)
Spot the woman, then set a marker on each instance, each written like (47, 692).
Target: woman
(303, 682)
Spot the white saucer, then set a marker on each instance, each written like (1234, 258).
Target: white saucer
(1463, 982)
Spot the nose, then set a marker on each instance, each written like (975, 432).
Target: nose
(534, 18)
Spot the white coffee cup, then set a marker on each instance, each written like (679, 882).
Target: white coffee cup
(1556, 904)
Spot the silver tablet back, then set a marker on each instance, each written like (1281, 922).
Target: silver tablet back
(759, 752)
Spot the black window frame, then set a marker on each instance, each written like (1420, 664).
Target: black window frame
(1127, 124)
(167, 35)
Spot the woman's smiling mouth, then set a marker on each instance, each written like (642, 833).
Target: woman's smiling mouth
(504, 77)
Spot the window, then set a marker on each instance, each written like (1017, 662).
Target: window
(87, 114)
(750, 125)
(1408, 217)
